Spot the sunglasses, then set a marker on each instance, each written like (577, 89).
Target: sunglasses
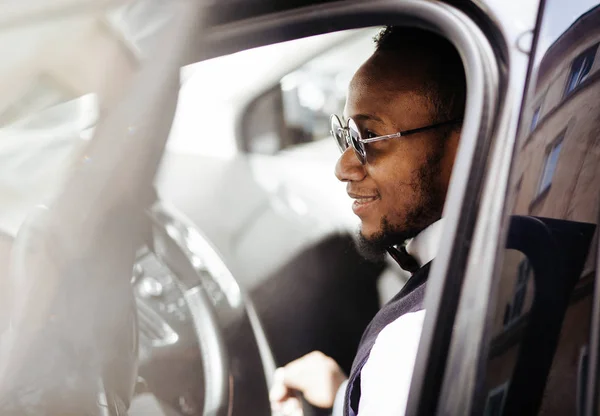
(351, 135)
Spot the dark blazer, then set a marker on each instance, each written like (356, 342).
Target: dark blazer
(409, 299)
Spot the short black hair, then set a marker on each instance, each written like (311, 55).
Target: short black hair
(447, 90)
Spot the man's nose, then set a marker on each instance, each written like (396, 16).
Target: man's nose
(348, 168)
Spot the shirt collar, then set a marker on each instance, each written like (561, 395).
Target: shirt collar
(425, 245)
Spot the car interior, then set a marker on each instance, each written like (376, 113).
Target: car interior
(169, 312)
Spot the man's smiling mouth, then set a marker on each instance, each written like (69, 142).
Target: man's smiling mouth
(364, 199)
(362, 202)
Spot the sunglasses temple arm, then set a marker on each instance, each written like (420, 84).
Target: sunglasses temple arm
(433, 126)
(378, 138)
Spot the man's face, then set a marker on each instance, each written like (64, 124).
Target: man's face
(402, 187)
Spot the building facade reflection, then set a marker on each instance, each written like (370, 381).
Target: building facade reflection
(556, 175)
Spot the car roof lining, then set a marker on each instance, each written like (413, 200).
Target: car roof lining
(298, 23)
(325, 17)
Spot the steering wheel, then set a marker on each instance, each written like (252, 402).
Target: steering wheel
(72, 344)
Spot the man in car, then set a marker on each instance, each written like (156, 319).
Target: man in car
(399, 139)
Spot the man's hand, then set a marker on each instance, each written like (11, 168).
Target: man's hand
(315, 375)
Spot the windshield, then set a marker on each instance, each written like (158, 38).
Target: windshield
(71, 70)
(63, 75)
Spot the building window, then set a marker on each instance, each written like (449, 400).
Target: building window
(515, 308)
(535, 118)
(550, 166)
(494, 405)
(580, 69)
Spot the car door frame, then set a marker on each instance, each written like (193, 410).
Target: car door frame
(486, 120)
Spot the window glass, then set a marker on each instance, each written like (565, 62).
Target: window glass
(318, 89)
(550, 166)
(515, 308)
(55, 87)
(544, 297)
(298, 108)
(536, 118)
(266, 99)
(581, 68)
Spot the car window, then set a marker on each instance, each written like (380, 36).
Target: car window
(266, 99)
(540, 335)
(297, 109)
(51, 101)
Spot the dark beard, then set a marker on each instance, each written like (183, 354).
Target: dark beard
(426, 212)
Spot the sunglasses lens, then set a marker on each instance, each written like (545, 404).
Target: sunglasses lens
(337, 132)
(358, 146)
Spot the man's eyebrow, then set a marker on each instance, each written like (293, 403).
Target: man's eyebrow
(362, 117)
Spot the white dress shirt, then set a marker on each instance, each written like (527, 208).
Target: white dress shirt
(386, 376)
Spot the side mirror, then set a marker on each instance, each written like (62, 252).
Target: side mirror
(263, 124)
(283, 117)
